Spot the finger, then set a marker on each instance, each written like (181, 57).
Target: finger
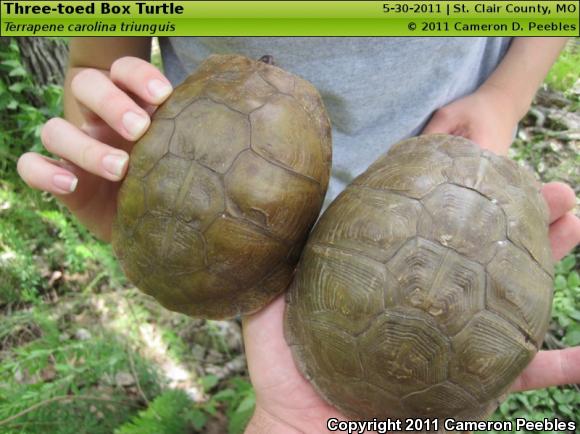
(65, 140)
(550, 368)
(46, 174)
(96, 91)
(564, 235)
(103, 133)
(141, 78)
(560, 199)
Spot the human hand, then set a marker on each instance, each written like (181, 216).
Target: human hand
(286, 402)
(485, 117)
(94, 157)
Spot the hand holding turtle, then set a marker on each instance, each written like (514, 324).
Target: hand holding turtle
(471, 117)
(485, 117)
(287, 403)
(115, 107)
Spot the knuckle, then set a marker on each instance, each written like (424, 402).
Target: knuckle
(122, 64)
(89, 156)
(84, 77)
(21, 163)
(112, 102)
(23, 167)
(117, 67)
(47, 132)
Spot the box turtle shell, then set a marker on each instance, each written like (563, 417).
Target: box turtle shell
(426, 286)
(223, 188)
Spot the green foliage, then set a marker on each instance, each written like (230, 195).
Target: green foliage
(170, 413)
(236, 396)
(566, 71)
(20, 119)
(559, 402)
(543, 403)
(64, 382)
(566, 307)
(37, 236)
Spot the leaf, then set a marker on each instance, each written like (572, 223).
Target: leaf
(247, 404)
(565, 410)
(210, 407)
(17, 87)
(224, 395)
(572, 337)
(560, 283)
(573, 280)
(198, 418)
(11, 63)
(208, 382)
(18, 71)
(568, 263)
(562, 398)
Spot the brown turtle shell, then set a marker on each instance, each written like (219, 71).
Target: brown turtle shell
(426, 286)
(223, 188)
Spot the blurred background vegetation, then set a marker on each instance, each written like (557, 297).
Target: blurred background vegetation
(82, 351)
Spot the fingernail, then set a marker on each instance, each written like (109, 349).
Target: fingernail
(159, 89)
(115, 163)
(135, 124)
(66, 183)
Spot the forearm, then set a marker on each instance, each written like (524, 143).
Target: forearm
(523, 69)
(97, 53)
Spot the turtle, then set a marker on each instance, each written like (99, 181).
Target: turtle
(426, 286)
(223, 188)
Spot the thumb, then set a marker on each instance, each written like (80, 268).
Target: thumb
(550, 368)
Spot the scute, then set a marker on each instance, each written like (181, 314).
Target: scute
(255, 93)
(149, 150)
(408, 345)
(489, 355)
(206, 223)
(163, 185)
(236, 248)
(281, 206)
(464, 220)
(455, 240)
(283, 132)
(522, 297)
(133, 207)
(374, 223)
(441, 400)
(202, 197)
(351, 287)
(215, 149)
(440, 282)
(412, 175)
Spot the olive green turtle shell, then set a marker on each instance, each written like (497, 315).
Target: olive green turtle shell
(426, 286)
(223, 188)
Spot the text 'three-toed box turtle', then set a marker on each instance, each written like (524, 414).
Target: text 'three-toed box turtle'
(223, 188)
(426, 286)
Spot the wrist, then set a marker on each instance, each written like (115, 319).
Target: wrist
(512, 105)
(263, 422)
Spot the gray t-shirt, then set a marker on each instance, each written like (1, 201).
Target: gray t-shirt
(377, 90)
